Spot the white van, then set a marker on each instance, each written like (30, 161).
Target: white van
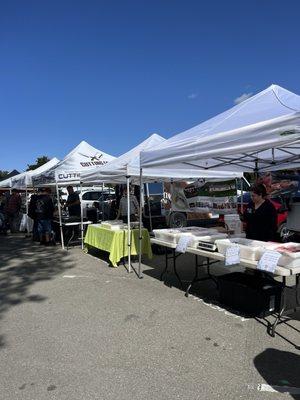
(89, 196)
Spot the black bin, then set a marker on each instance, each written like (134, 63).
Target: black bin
(253, 295)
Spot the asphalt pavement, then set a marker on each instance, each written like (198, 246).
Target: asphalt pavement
(71, 327)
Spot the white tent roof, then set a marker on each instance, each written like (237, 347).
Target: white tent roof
(261, 132)
(116, 170)
(83, 158)
(24, 179)
(128, 164)
(6, 183)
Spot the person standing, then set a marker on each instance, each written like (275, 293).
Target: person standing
(123, 208)
(260, 216)
(12, 210)
(73, 203)
(44, 209)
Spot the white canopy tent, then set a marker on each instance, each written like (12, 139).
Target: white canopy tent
(261, 134)
(68, 171)
(126, 169)
(117, 170)
(6, 183)
(128, 164)
(25, 179)
(83, 157)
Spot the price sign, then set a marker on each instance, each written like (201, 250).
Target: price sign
(183, 243)
(269, 261)
(232, 255)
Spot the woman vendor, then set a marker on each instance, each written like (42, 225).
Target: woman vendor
(260, 216)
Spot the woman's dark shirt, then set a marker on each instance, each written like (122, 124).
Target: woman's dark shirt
(261, 224)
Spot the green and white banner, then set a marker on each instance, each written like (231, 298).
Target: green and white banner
(205, 196)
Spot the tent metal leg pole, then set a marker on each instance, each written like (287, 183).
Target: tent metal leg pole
(242, 195)
(81, 215)
(60, 220)
(102, 201)
(149, 208)
(128, 225)
(140, 273)
(26, 205)
(26, 200)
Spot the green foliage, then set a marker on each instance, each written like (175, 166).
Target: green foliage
(3, 174)
(39, 161)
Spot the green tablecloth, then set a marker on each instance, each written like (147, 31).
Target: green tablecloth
(115, 242)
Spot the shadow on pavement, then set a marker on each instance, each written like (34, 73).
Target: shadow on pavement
(22, 263)
(281, 370)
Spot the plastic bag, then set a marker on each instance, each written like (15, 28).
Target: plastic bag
(26, 224)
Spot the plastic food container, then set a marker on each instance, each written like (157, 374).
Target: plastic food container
(163, 234)
(113, 225)
(249, 249)
(290, 253)
(196, 233)
(173, 237)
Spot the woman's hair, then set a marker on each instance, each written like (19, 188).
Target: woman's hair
(259, 189)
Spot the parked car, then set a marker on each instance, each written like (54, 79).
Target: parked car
(89, 197)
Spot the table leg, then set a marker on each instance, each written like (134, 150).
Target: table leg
(204, 278)
(165, 271)
(210, 276)
(175, 270)
(69, 241)
(166, 264)
(272, 327)
(196, 276)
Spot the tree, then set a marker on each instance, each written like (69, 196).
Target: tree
(3, 174)
(39, 161)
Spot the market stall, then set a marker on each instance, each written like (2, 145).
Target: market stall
(117, 172)
(259, 134)
(68, 172)
(24, 180)
(125, 169)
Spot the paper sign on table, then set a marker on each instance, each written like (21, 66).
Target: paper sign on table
(269, 261)
(232, 255)
(183, 243)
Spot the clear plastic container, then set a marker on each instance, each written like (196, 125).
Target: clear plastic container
(290, 253)
(249, 249)
(113, 225)
(196, 233)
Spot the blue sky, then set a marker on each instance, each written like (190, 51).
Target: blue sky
(113, 72)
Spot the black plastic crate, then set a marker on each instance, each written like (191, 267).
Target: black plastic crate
(251, 294)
